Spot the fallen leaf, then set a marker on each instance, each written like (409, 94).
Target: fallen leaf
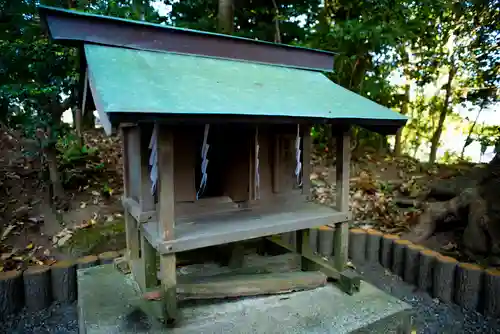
(7, 231)
(450, 246)
(30, 246)
(83, 205)
(62, 241)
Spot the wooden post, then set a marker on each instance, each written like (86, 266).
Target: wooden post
(276, 164)
(124, 137)
(304, 246)
(131, 152)
(148, 263)
(342, 186)
(306, 161)
(165, 146)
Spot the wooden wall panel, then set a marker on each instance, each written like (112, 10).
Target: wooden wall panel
(185, 151)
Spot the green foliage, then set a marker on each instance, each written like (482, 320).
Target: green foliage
(71, 152)
(488, 136)
(252, 18)
(450, 158)
(320, 135)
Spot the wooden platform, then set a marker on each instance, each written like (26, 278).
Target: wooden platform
(237, 225)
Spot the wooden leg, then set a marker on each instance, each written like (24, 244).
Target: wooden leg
(168, 279)
(303, 247)
(347, 279)
(132, 232)
(237, 255)
(148, 257)
(341, 239)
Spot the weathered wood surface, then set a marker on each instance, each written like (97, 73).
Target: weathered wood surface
(443, 285)
(469, 281)
(245, 285)
(166, 202)
(492, 293)
(11, 292)
(343, 160)
(37, 288)
(348, 280)
(373, 241)
(398, 256)
(426, 263)
(386, 250)
(63, 279)
(325, 239)
(357, 245)
(313, 239)
(411, 267)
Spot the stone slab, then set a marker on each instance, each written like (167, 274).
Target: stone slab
(108, 303)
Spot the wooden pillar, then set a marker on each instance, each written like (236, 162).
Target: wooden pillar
(306, 160)
(165, 146)
(131, 227)
(148, 263)
(342, 192)
(276, 164)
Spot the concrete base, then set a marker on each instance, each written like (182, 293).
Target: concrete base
(108, 303)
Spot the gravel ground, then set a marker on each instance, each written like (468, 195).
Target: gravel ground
(431, 316)
(58, 319)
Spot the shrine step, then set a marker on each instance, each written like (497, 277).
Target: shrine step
(108, 304)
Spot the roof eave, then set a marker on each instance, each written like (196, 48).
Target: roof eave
(76, 28)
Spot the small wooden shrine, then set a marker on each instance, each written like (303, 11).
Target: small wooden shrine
(216, 139)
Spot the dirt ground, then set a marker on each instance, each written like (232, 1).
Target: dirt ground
(384, 192)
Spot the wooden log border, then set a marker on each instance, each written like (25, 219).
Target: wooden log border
(478, 288)
(469, 286)
(49, 284)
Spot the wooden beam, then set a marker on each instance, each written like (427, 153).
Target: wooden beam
(166, 202)
(246, 285)
(341, 236)
(134, 208)
(347, 279)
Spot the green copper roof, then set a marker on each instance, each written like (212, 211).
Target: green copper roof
(134, 81)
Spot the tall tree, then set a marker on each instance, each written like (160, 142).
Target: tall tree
(225, 17)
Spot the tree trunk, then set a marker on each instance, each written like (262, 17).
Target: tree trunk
(55, 179)
(404, 111)
(88, 120)
(139, 7)
(468, 140)
(77, 112)
(442, 117)
(277, 33)
(225, 17)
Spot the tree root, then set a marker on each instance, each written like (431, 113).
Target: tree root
(477, 236)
